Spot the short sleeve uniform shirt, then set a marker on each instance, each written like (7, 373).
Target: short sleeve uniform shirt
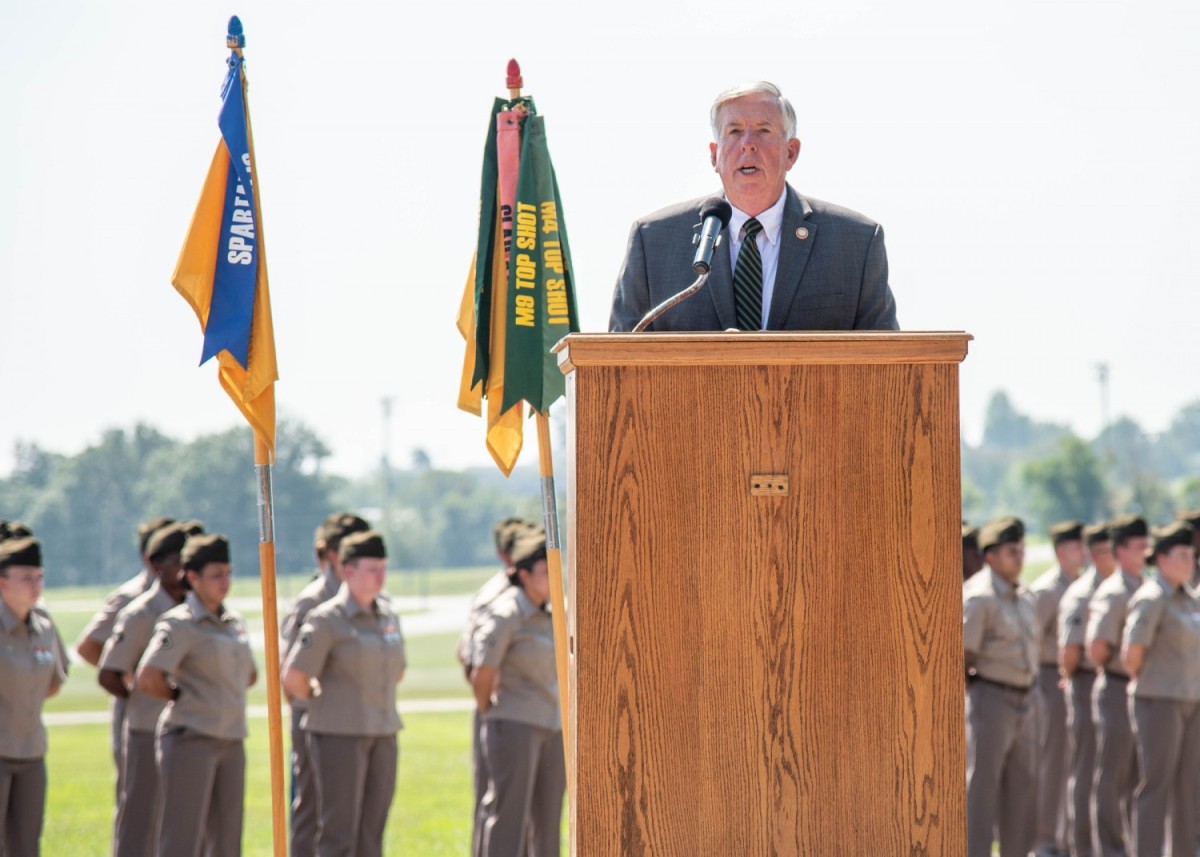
(357, 655)
(30, 668)
(208, 655)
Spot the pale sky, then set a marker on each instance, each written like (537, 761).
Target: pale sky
(1035, 164)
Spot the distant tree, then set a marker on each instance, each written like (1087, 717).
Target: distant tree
(1178, 448)
(1069, 485)
(1188, 493)
(212, 478)
(85, 508)
(1004, 426)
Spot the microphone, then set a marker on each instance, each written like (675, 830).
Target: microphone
(715, 214)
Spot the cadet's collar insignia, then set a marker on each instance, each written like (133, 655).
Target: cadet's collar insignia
(165, 641)
(306, 640)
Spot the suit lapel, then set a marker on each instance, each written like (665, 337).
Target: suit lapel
(793, 256)
(720, 284)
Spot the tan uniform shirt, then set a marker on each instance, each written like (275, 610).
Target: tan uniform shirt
(998, 628)
(480, 605)
(1047, 592)
(1106, 615)
(1073, 615)
(100, 627)
(1166, 620)
(131, 635)
(357, 656)
(30, 669)
(517, 638)
(210, 659)
(316, 592)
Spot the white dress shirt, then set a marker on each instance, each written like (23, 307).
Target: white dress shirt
(768, 246)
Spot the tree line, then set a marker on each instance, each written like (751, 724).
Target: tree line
(1044, 472)
(85, 507)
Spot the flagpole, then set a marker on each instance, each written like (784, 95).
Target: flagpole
(266, 562)
(263, 456)
(558, 610)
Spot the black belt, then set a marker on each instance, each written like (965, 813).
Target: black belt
(1018, 688)
(1118, 676)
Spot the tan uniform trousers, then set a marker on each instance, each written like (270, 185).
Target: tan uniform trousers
(356, 779)
(137, 820)
(203, 786)
(1052, 764)
(1116, 769)
(479, 769)
(22, 805)
(1167, 732)
(1001, 769)
(1083, 764)
(525, 792)
(305, 817)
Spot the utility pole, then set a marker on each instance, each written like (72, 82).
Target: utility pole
(1102, 378)
(385, 460)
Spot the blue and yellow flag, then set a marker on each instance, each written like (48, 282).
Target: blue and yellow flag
(222, 269)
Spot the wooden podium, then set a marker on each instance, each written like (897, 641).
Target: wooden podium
(765, 595)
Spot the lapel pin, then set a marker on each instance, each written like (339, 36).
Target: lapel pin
(801, 233)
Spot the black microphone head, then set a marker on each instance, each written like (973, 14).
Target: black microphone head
(715, 206)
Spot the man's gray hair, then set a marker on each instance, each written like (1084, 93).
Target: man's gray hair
(754, 88)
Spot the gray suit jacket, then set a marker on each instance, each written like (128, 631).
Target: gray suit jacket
(836, 278)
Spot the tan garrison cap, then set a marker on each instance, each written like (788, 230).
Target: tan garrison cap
(1001, 531)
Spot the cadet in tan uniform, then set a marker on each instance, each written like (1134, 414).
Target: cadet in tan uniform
(137, 832)
(352, 648)
(516, 688)
(30, 671)
(1116, 754)
(972, 560)
(1001, 660)
(1162, 655)
(1191, 517)
(504, 533)
(90, 644)
(326, 541)
(200, 660)
(1080, 675)
(1047, 592)
(21, 530)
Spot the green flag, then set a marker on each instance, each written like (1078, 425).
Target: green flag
(541, 292)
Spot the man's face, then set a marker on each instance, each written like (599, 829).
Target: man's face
(536, 582)
(21, 587)
(212, 583)
(1177, 564)
(1071, 555)
(1102, 557)
(365, 578)
(1131, 556)
(753, 153)
(170, 574)
(1007, 559)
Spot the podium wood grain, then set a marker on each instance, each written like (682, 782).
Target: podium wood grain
(765, 675)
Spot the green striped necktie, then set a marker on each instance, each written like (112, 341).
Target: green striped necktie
(748, 279)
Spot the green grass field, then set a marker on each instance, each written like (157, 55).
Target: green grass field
(431, 813)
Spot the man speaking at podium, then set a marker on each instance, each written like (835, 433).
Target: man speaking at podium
(809, 265)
